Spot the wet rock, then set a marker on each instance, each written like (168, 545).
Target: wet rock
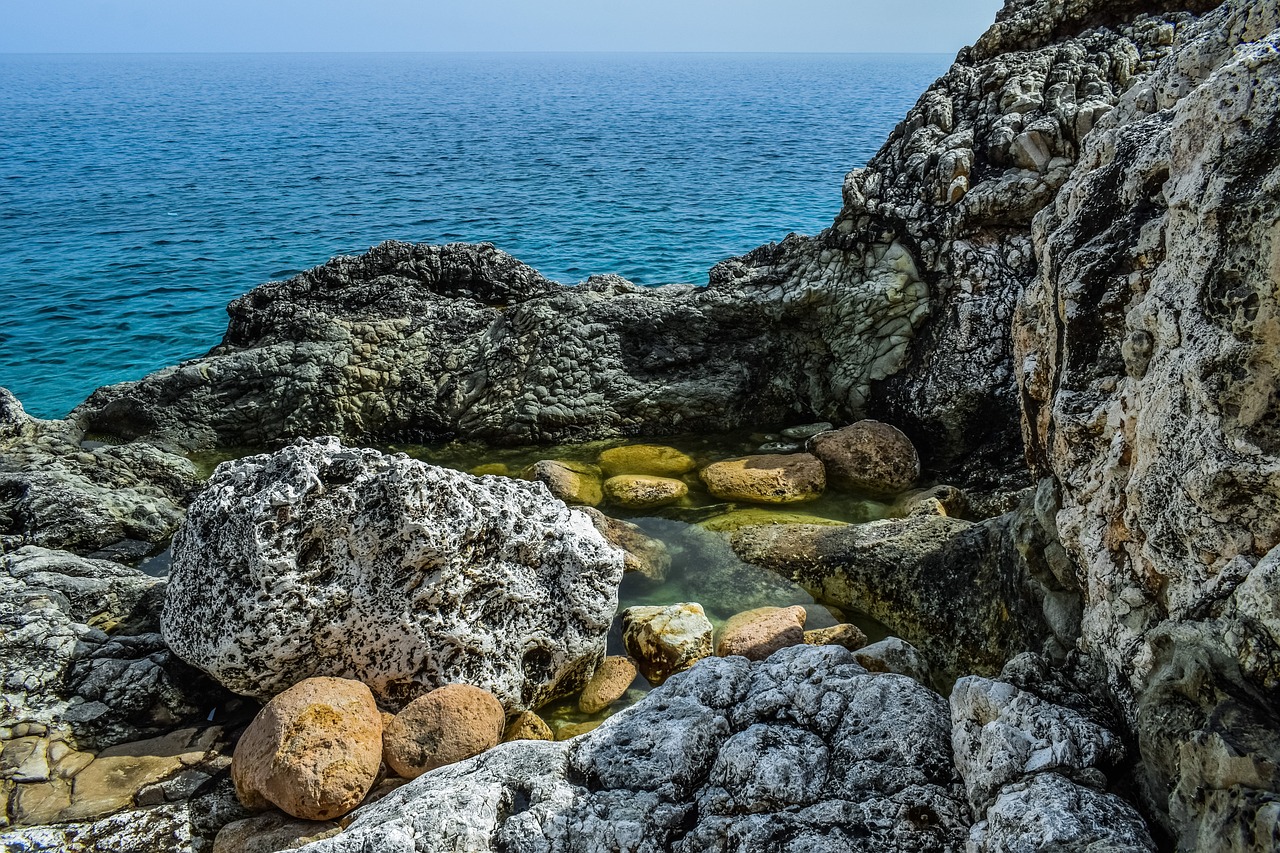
(735, 519)
(445, 726)
(641, 491)
(608, 685)
(666, 640)
(313, 751)
(774, 479)
(573, 730)
(527, 725)
(897, 656)
(938, 500)
(867, 456)
(642, 553)
(653, 459)
(55, 493)
(495, 584)
(271, 832)
(845, 635)
(757, 634)
(803, 749)
(572, 482)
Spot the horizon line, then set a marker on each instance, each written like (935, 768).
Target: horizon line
(470, 52)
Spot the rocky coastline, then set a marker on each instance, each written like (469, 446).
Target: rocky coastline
(1017, 407)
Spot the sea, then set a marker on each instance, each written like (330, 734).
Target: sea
(141, 193)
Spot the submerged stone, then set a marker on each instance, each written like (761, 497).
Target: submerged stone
(572, 482)
(641, 491)
(653, 459)
(771, 479)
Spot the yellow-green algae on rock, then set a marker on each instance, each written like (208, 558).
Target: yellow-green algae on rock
(654, 459)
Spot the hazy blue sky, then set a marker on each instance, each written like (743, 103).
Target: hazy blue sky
(61, 26)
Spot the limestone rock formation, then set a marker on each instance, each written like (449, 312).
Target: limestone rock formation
(805, 751)
(58, 492)
(442, 727)
(1148, 348)
(324, 560)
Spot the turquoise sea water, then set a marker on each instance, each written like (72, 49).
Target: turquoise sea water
(139, 194)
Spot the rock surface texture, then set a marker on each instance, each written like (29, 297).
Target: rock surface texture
(313, 751)
(805, 751)
(445, 726)
(1148, 348)
(323, 560)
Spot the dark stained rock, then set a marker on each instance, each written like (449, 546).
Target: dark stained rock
(867, 457)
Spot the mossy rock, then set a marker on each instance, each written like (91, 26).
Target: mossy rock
(740, 518)
(497, 469)
(638, 491)
(572, 482)
(654, 459)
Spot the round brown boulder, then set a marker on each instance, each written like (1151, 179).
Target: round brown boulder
(868, 457)
(769, 479)
(572, 482)
(444, 726)
(313, 751)
(527, 726)
(756, 634)
(610, 682)
(640, 491)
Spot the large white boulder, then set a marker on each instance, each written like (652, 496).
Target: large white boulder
(326, 560)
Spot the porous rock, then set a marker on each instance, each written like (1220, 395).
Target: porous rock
(666, 640)
(1050, 813)
(313, 751)
(867, 456)
(324, 560)
(445, 726)
(756, 634)
(895, 655)
(770, 479)
(804, 749)
(270, 833)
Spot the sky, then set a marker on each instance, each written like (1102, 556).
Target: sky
(186, 26)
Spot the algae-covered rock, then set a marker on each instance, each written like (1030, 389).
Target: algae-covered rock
(642, 491)
(572, 482)
(736, 519)
(654, 459)
(770, 479)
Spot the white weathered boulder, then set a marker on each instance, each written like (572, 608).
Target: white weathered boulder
(326, 560)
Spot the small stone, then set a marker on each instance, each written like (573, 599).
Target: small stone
(850, 636)
(772, 479)
(894, 655)
(270, 832)
(608, 685)
(442, 727)
(780, 447)
(313, 751)
(756, 634)
(527, 726)
(799, 433)
(572, 482)
(666, 640)
(868, 456)
(491, 469)
(654, 459)
(641, 491)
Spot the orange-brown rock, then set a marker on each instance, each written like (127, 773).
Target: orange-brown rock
(756, 634)
(313, 751)
(610, 682)
(770, 479)
(527, 726)
(444, 726)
